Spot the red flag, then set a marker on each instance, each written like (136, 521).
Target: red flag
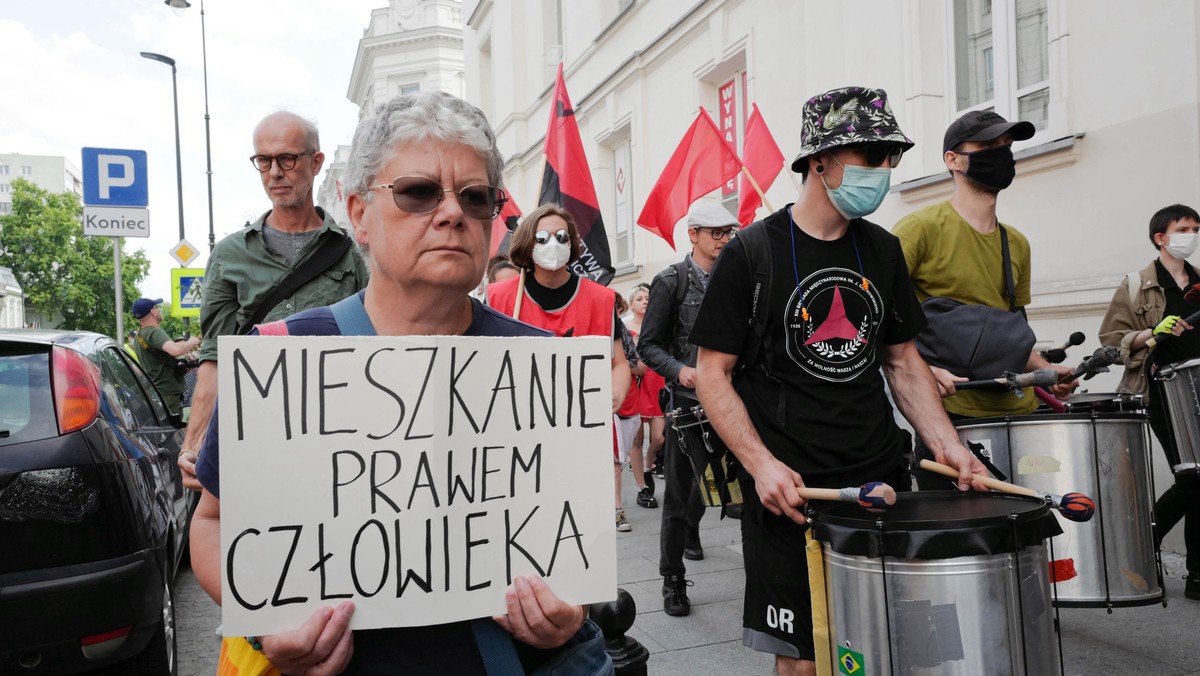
(764, 161)
(700, 164)
(503, 225)
(567, 182)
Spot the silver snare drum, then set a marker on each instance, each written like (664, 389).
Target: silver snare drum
(1179, 384)
(1108, 561)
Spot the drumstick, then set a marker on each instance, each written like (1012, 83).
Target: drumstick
(876, 496)
(1073, 506)
(1014, 381)
(1193, 319)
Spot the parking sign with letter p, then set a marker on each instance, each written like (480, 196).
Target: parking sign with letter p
(115, 178)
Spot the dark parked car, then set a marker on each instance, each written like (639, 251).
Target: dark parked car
(93, 513)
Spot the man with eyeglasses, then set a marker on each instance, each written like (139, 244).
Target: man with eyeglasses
(955, 249)
(813, 307)
(663, 345)
(292, 258)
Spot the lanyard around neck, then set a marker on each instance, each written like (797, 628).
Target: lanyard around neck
(796, 266)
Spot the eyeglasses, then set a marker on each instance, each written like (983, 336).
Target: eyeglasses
(718, 234)
(420, 195)
(876, 153)
(286, 161)
(541, 237)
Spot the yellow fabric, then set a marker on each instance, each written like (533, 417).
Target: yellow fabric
(948, 258)
(239, 659)
(820, 607)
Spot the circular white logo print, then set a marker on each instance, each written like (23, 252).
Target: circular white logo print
(837, 339)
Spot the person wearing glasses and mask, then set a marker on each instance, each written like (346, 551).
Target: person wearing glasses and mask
(839, 314)
(422, 181)
(548, 295)
(292, 258)
(675, 295)
(954, 249)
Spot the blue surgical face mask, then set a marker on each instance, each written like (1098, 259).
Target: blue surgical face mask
(861, 192)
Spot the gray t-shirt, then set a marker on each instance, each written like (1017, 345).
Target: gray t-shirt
(287, 245)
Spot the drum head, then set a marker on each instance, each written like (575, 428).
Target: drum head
(1105, 402)
(938, 525)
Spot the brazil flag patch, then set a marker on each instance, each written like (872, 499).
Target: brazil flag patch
(850, 662)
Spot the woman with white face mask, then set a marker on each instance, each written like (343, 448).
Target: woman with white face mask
(549, 296)
(1152, 303)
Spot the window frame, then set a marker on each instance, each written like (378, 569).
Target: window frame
(1006, 95)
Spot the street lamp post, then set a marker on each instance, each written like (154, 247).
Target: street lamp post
(178, 157)
(178, 6)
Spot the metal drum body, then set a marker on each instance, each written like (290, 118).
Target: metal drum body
(1181, 385)
(931, 610)
(1110, 560)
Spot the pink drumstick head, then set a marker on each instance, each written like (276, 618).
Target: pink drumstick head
(1077, 507)
(876, 496)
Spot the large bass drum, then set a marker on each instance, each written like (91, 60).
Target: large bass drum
(1111, 560)
(945, 583)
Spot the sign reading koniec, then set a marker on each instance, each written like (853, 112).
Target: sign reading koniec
(416, 476)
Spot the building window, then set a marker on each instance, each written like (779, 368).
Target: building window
(3, 187)
(5, 207)
(1002, 58)
(409, 89)
(26, 170)
(3, 170)
(623, 190)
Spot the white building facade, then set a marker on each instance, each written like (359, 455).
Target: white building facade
(407, 47)
(52, 172)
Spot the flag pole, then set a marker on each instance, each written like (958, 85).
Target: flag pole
(520, 295)
(799, 187)
(753, 183)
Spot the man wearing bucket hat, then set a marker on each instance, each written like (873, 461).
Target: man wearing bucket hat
(158, 353)
(807, 306)
(675, 296)
(958, 250)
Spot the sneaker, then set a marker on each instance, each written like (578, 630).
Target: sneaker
(645, 498)
(691, 545)
(648, 478)
(675, 599)
(1191, 588)
(623, 523)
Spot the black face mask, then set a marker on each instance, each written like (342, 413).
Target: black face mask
(993, 168)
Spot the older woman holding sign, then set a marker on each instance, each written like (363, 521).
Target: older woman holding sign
(422, 180)
(548, 295)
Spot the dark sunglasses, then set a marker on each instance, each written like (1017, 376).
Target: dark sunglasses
(286, 161)
(541, 237)
(876, 153)
(420, 195)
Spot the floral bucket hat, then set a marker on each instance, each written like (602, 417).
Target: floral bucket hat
(848, 115)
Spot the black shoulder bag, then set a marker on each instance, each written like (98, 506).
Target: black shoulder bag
(977, 341)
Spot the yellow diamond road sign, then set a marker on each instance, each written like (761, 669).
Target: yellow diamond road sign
(184, 252)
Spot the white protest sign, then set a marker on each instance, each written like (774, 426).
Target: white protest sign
(415, 476)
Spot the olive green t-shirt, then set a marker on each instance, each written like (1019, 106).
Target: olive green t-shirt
(157, 364)
(948, 258)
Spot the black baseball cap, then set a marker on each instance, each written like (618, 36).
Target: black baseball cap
(983, 125)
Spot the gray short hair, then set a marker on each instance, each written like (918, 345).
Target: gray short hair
(429, 115)
(312, 138)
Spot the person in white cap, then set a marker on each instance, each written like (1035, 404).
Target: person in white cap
(675, 296)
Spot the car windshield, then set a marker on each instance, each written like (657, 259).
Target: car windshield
(26, 400)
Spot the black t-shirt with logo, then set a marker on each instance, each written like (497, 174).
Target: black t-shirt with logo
(835, 425)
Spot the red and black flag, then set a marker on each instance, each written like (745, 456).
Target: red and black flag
(503, 226)
(567, 182)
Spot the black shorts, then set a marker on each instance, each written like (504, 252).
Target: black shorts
(777, 612)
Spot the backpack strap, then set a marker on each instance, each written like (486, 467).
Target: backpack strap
(1133, 280)
(351, 317)
(682, 279)
(1009, 289)
(758, 259)
(496, 648)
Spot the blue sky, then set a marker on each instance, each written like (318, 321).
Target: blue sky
(73, 77)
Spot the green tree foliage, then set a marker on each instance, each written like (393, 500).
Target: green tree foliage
(67, 278)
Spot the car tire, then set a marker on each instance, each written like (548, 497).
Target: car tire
(160, 657)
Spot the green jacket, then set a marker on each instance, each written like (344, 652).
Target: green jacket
(241, 272)
(1130, 312)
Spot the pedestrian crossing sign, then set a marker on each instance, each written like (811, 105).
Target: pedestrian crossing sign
(187, 291)
(850, 662)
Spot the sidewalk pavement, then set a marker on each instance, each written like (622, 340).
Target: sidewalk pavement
(1146, 640)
